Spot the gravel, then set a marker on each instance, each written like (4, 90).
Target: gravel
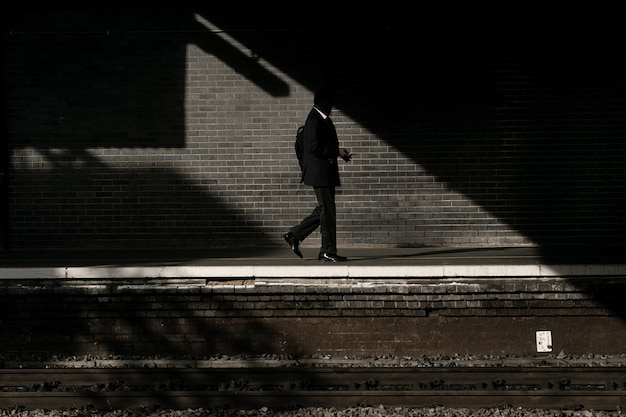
(556, 359)
(380, 411)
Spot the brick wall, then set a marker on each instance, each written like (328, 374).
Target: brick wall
(146, 128)
(194, 317)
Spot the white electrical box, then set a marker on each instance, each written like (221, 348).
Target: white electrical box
(544, 341)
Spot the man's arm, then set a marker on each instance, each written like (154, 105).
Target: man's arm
(345, 154)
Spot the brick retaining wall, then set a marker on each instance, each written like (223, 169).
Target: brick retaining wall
(350, 317)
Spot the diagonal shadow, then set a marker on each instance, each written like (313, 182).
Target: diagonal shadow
(113, 322)
(525, 121)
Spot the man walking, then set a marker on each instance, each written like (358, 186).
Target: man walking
(320, 171)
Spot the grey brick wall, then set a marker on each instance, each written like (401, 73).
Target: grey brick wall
(161, 129)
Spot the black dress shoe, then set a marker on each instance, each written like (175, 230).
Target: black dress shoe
(293, 242)
(331, 257)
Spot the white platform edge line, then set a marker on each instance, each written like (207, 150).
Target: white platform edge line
(314, 271)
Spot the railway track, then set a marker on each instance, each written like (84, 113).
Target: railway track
(601, 388)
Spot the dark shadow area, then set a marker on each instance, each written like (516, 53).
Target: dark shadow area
(143, 205)
(137, 257)
(4, 158)
(435, 255)
(109, 55)
(111, 320)
(132, 103)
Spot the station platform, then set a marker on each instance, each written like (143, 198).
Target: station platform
(277, 262)
(252, 301)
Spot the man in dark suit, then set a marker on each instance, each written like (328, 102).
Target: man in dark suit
(319, 170)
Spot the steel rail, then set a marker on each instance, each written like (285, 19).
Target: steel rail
(105, 388)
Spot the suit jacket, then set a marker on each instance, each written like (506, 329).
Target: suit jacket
(321, 149)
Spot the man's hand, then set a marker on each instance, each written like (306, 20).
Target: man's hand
(345, 155)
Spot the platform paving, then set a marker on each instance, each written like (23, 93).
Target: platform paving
(277, 262)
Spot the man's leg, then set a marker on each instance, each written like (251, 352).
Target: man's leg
(308, 225)
(303, 229)
(327, 218)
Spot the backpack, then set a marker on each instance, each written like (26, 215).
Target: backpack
(299, 145)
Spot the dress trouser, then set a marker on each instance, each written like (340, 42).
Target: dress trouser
(324, 215)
